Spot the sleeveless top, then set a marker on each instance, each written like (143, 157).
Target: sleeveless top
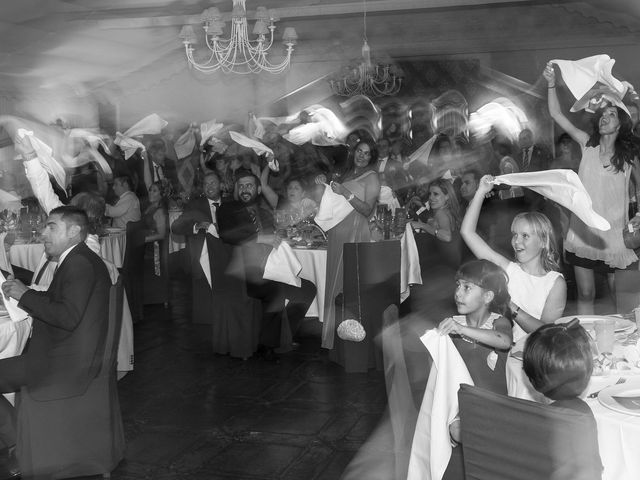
(610, 197)
(529, 292)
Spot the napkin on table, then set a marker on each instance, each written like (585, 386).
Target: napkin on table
(283, 266)
(410, 273)
(11, 304)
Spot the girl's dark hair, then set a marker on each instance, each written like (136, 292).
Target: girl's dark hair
(302, 181)
(372, 159)
(488, 276)
(558, 360)
(626, 146)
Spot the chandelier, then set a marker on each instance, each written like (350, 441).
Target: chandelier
(367, 78)
(238, 54)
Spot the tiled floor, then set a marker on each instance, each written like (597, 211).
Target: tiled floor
(191, 414)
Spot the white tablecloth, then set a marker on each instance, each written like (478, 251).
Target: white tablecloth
(28, 255)
(13, 337)
(314, 269)
(618, 433)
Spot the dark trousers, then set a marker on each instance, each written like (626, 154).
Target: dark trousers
(13, 375)
(272, 296)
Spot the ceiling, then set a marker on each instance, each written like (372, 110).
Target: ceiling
(86, 46)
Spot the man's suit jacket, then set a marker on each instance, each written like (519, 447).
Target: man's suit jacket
(198, 210)
(540, 160)
(137, 165)
(70, 322)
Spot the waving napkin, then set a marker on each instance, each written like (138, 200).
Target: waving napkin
(591, 78)
(562, 186)
(208, 130)
(431, 448)
(149, 125)
(45, 157)
(11, 304)
(283, 266)
(185, 144)
(332, 210)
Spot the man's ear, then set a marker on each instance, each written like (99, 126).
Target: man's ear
(74, 230)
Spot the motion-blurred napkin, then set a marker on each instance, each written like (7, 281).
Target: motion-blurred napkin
(283, 266)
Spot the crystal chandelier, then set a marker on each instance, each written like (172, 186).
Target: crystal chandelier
(238, 54)
(366, 78)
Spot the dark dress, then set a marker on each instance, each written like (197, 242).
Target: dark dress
(156, 261)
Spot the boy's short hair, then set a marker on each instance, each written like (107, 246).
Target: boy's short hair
(558, 360)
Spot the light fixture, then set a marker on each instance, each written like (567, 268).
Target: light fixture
(238, 54)
(366, 78)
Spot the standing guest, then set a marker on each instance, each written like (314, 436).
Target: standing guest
(607, 156)
(127, 208)
(538, 292)
(69, 320)
(361, 187)
(468, 185)
(249, 225)
(532, 158)
(153, 166)
(156, 222)
(391, 175)
(567, 153)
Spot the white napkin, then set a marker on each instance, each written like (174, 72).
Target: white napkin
(11, 304)
(149, 125)
(93, 138)
(562, 186)
(255, 145)
(208, 130)
(204, 262)
(185, 144)
(332, 210)
(5, 264)
(583, 75)
(423, 152)
(283, 266)
(410, 273)
(387, 197)
(45, 157)
(431, 448)
(324, 129)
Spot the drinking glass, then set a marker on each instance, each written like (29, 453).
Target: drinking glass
(605, 334)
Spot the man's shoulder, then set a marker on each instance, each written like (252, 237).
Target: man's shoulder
(82, 254)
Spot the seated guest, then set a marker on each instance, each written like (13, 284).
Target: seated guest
(538, 291)
(248, 224)
(558, 361)
(296, 203)
(156, 221)
(69, 320)
(127, 208)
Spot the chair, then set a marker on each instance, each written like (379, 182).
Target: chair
(627, 285)
(510, 438)
(81, 435)
(133, 267)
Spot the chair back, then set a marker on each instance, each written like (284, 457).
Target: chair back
(627, 285)
(510, 438)
(116, 300)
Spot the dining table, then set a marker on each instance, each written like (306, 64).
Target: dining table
(13, 338)
(618, 428)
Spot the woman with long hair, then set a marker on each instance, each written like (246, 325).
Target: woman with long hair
(605, 168)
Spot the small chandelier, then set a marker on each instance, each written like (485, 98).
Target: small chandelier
(238, 54)
(366, 78)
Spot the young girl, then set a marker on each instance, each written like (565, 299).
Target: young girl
(482, 334)
(558, 361)
(538, 292)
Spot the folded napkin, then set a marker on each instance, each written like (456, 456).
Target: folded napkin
(204, 263)
(562, 186)
(283, 266)
(332, 210)
(11, 304)
(431, 448)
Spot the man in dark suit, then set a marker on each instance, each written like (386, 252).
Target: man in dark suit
(198, 223)
(532, 158)
(151, 166)
(248, 224)
(70, 320)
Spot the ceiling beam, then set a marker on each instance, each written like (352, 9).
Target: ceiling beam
(301, 11)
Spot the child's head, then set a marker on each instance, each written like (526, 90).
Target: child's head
(533, 236)
(558, 360)
(481, 284)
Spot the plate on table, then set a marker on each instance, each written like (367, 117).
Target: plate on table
(623, 398)
(588, 321)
